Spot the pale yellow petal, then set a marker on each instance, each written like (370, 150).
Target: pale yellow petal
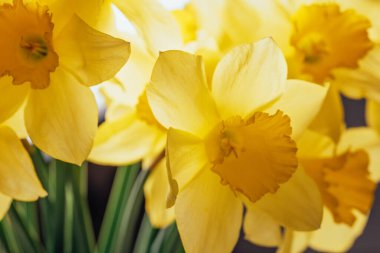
(183, 166)
(261, 229)
(62, 119)
(5, 204)
(210, 15)
(156, 190)
(312, 144)
(208, 215)
(249, 77)
(362, 82)
(18, 178)
(301, 102)
(92, 56)
(135, 75)
(123, 141)
(330, 119)
(12, 97)
(178, 93)
(155, 24)
(296, 205)
(332, 237)
(240, 17)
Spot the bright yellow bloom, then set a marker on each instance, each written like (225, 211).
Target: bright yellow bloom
(346, 175)
(323, 41)
(49, 60)
(130, 132)
(234, 143)
(19, 180)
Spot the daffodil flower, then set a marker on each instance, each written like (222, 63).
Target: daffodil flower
(346, 174)
(314, 37)
(50, 57)
(130, 132)
(19, 180)
(235, 143)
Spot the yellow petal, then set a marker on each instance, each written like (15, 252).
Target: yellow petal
(238, 18)
(372, 114)
(178, 93)
(312, 144)
(18, 178)
(12, 97)
(156, 190)
(330, 119)
(210, 15)
(363, 138)
(17, 123)
(249, 77)
(261, 229)
(332, 237)
(62, 119)
(5, 203)
(155, 24)
(296, 205)
(135, 75)
(208, 215)
(363, 81)
(301, 102)
(184, 167)
(123, 141)
(92, 56)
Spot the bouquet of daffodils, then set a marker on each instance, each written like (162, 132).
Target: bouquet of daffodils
(227, 121)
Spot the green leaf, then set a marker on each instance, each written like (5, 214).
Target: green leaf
(121, 188)
(146, 235)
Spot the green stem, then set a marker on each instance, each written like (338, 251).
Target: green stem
(145, 237)
(69, 219)
(130, 218)
(167, 240)
(27, 228)
(84, 229)
(121, 188)
(8, 236)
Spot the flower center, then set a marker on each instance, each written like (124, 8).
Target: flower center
(253, 156)
(326, 38)
(344, 184)
(145, 112)
(26, 49)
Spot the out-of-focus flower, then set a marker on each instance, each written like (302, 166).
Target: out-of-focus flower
(49, 57)
(235, 143)
(19, 180)
(130, 132)
(346, 175)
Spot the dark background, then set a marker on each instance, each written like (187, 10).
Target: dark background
(100, 182)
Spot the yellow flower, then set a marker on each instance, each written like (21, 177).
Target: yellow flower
(19, 180)
(234, 143)
(314, 37)
(130, 132)
(346, 175)
(50, 60)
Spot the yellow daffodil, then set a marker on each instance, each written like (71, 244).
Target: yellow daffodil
(19, 180)
(130, 132)
(50, 57)
(346, 175)
(313, 35)
(234, 142)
